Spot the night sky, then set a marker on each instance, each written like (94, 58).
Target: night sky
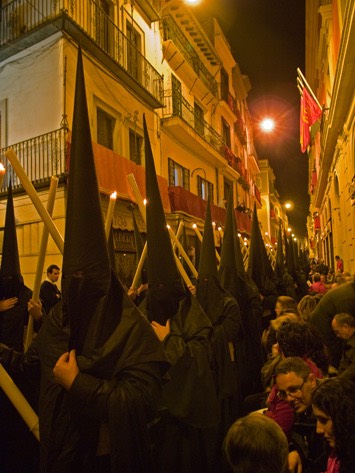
(268, 42)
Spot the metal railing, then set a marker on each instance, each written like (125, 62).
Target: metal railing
(41, 157)
(176, 105)
(173, 32)
(19, 17)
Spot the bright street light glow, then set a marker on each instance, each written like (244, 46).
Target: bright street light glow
(267, 125)
(192, 2)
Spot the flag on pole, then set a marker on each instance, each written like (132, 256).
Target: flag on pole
(309, 114)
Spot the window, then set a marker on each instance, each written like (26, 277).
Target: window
(134, 48)
(105, 128)
(228, 187)
(224, 85)
(176, 90)
(199, 119)
(205, 189)
(226, 133)
(178, 175)
(135, 146)
(102, 24)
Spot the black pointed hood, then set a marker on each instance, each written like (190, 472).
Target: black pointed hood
(259, 266)
(166, 287)
(10, 273)
(208, 263)
(280, 259)
(86, 265)
(209, 292)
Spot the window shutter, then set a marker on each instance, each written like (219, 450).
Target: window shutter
(210, 192)
(186, 179)
(171, 172)
(199, 186)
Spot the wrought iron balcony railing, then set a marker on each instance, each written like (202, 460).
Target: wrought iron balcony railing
(41, 157)
(176, 105)
(172, 31)
(19, 18)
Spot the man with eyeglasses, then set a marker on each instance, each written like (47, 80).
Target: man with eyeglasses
(296, 382)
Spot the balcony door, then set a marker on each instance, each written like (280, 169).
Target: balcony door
(102, 24)
(177, 95)
(134, 50)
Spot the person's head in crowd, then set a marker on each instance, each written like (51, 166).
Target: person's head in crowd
(285, 317)
(302, 340)
(53, 272)
(348, 277)
(323, 278)
(295, 383)
(316, 277)
(333, 404)
(338, 281)
(306, 306)
(255, 443)
(284, 303)
(343, 325)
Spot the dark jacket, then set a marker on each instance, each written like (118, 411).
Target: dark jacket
(347, 362)
(335, 301)
(50, 295)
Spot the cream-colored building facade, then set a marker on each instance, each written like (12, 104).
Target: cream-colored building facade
(140, 57)
(330, 71)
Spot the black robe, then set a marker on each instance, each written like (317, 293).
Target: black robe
(189, 398)
(124, 394)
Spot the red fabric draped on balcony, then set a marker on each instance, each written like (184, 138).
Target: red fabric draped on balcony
(184, 201)
(112, 171)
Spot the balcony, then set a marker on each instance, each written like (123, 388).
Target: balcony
(48, 155)
(180, 118)
(25, 24)
(151, 8)
(257, 195)
(177, 50)
(182, 200)
(239, 128)
(228, 102)
(41, 157)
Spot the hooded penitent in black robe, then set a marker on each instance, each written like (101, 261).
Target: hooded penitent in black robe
(123, 393)
(189, 399)
(260, 270)
(120, 359)
(234, 279)
(223, 312)
(14, 433)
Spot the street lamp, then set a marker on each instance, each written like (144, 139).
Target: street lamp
(288, 205)
(267, 125)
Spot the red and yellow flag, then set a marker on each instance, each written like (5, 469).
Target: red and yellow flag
(310, 113)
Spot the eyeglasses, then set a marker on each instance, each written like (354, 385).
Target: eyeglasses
(291, 391)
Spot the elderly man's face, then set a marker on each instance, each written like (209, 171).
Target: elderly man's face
(296, 390)
(342, 331)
